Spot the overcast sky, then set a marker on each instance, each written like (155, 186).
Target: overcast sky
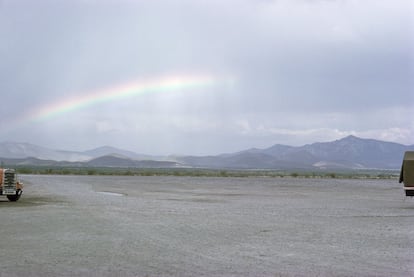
(289, 72)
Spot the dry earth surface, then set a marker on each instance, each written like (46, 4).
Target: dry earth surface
(193, 226)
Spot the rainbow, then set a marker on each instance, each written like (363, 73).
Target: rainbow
(131, 89)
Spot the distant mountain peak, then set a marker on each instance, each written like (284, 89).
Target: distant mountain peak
(347, 153)
(351, 137)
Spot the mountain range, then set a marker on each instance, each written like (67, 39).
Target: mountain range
(347, 153)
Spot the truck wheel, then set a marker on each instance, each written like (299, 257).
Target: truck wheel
(15, 197)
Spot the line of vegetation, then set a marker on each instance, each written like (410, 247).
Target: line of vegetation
(199, 172)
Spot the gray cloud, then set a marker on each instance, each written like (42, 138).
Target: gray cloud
(302, 71)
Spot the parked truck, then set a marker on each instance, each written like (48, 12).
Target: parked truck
(407, 173)
(10, 185)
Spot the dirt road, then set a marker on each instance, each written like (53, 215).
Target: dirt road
(183, 226)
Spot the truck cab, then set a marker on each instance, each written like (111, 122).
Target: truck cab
(407, 173)
(10, 185)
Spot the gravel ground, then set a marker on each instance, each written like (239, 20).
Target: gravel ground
(184, 226)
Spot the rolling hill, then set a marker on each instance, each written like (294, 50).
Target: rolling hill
(347, 153)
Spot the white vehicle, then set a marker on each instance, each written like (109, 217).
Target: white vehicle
(9, 184)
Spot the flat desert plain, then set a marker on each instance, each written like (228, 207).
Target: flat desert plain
(205, 226)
